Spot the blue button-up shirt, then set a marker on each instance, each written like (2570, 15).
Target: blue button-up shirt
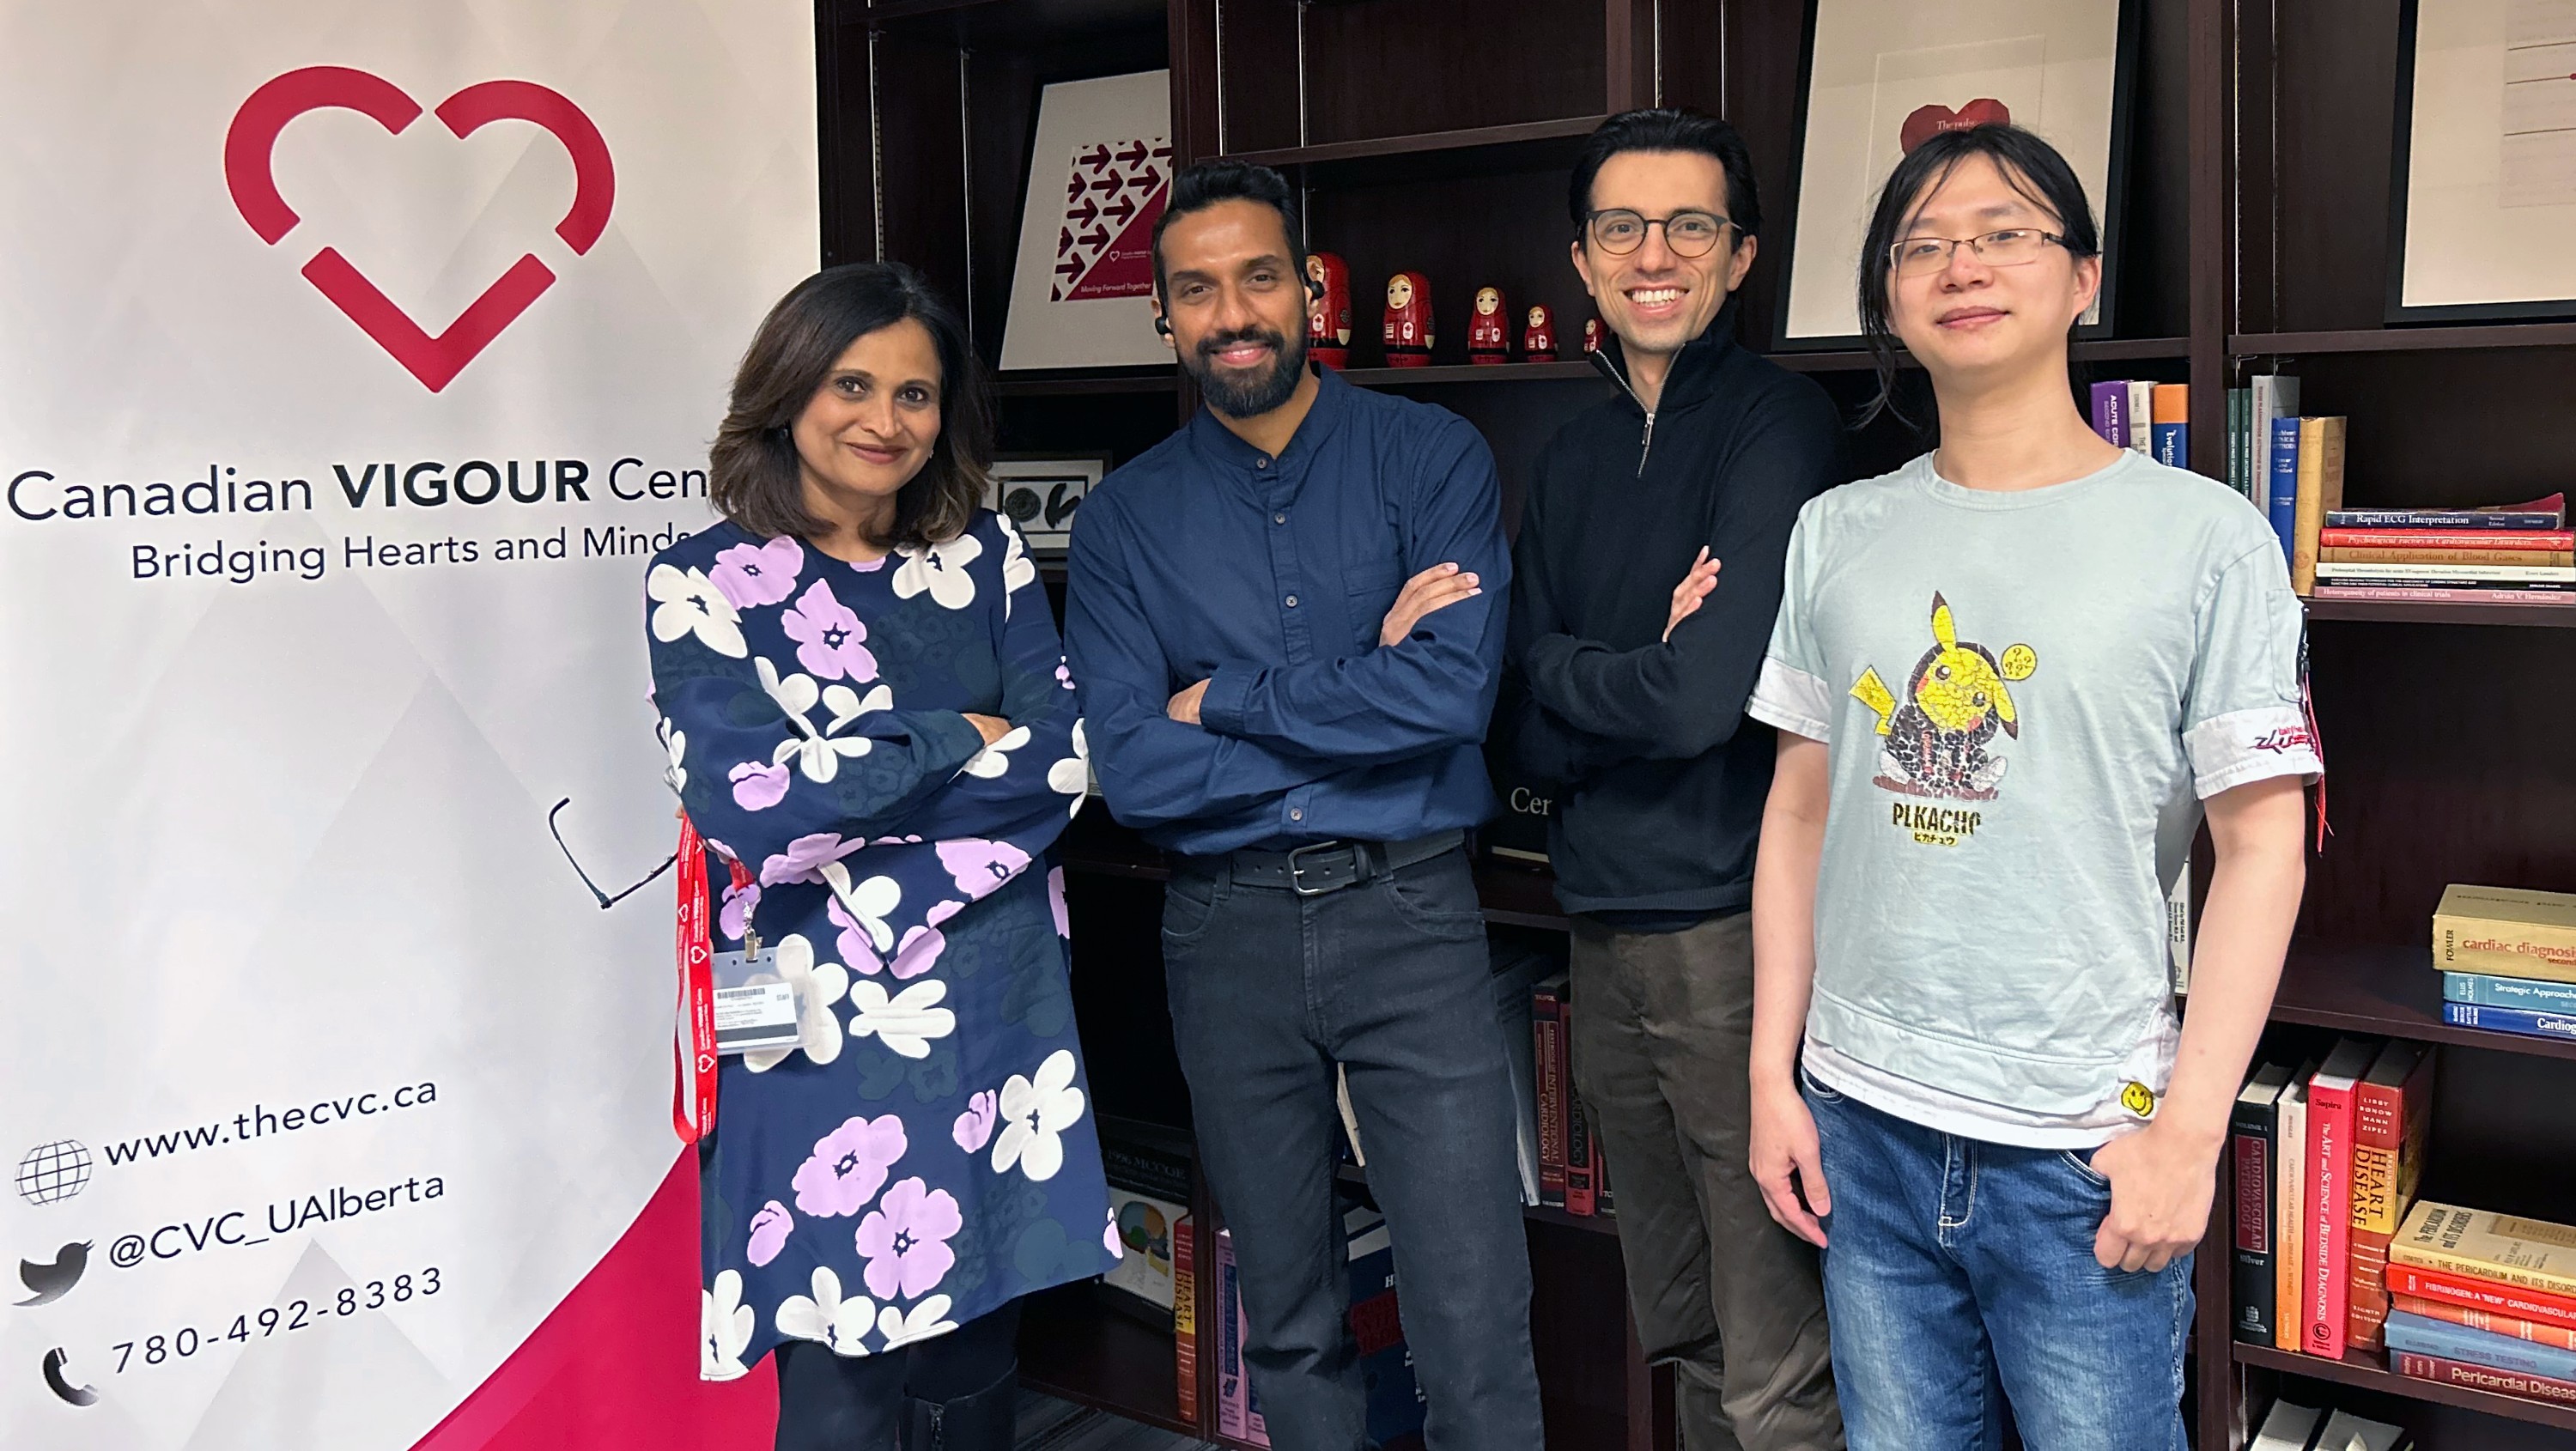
(1269, 578)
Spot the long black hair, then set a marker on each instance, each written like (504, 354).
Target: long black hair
(754, 477)
(2029, 166)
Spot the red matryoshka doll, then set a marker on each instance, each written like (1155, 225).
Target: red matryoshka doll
(1328, 310)
(1408, 320)
(1489, 328)
(1592, 336)
(1538, 344)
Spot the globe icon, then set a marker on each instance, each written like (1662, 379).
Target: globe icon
(52, 1173)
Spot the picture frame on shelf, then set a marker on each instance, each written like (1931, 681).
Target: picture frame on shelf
(1100, 173)
(1039, 492)
(1877, 77)
(2482, 192)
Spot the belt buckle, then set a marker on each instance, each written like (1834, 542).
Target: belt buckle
(1297, 871)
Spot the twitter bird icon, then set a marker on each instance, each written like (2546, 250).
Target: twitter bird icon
(53, 1281)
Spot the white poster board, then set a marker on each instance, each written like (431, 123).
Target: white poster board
(327, 1080)
(1099, 174)
(2488, 199)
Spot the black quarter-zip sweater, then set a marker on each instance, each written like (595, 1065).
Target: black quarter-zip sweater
(1659, 776)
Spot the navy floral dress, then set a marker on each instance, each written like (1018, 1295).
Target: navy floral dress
(926, 1153)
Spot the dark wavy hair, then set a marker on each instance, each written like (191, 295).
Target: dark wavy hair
(753, 476)
(2029, 166)
(1667, 128)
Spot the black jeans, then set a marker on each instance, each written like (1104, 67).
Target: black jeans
(1390, 979)
(833, 1402)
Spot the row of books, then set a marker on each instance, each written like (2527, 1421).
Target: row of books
(2152, 418)
(1572, 1174)
(2507, 956)
(2292, 467)
(1395, 1403)
(2334, 1255)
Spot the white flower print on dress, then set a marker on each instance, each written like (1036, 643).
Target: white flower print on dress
(818, 986)
(818, 753)
(840, 1323)
(905, 1021)
(1018, 570)
(923, 1321)
(994, 761)
(724, 1328)
(1072, 775)
(1035, 1116)
(862, 907)
(940, 569)
(674, 742)
(688, 603)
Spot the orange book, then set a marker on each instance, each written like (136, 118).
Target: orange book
(1185, 1318)
(2561, 1336)
(2391, 1115)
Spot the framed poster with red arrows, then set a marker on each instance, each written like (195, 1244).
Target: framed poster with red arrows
(1883, 75)
(1099, 174)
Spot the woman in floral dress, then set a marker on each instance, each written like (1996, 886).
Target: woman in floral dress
(868, 713)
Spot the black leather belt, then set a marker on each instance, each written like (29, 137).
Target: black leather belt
(1326, 866)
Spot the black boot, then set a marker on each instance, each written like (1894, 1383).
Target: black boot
(988, 1420)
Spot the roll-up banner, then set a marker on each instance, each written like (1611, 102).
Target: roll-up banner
(353, 360)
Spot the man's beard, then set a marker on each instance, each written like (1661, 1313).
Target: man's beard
(1240, 394)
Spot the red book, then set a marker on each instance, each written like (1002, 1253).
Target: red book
(2547, 541)
(1579, 1171)
(2492, 1296)
(2326, 1301)
(1185, 1318)
(1547, 1023)
(2561, 1336)
(2391, 1115)
(2485, 1378)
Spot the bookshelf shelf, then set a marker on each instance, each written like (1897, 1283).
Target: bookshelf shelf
(2098, 350)
(1559, 372)
(1046, 383)
(1524, 145)
(2388, 991)
(1076, 1349)
(2363, 1373)
(1589, 1223)
(2405, 339)
(2444, 613)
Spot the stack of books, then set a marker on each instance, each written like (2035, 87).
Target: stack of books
(2486, 1301)
(2152, 418)
(2512, 554)
(2508, 960)
(2327, 1158)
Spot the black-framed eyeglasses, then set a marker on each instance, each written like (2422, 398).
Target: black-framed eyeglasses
(2011, 247)
(1619, 231)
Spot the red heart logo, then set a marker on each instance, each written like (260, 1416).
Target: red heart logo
(248, 153)
(1930, 121)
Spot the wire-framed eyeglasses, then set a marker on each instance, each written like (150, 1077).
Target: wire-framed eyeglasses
(1619, 231)
(2011, 247)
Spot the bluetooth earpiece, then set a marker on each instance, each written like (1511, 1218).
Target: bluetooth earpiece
(1163, 325)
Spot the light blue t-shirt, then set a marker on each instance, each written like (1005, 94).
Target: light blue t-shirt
(2025, 698)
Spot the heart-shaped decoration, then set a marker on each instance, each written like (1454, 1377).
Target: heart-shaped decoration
(250, 145)
(1929, 121)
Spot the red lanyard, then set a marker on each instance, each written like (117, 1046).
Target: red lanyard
(693, 1046)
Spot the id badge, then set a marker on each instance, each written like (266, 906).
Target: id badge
(755, 1007)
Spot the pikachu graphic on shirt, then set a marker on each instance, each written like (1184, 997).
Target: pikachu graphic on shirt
(1937, 740)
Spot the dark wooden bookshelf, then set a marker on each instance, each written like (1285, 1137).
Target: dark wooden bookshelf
(2366, 1372)
(2444, 612)
(1436, 135)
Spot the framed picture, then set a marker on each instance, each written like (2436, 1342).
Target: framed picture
(1880, 76)
(1100, 171)
(2482, 203)
(1040, 492)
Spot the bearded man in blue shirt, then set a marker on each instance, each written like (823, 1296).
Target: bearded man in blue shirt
(1286, 622)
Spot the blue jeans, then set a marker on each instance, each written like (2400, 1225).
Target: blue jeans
(1390, 979)
(1960, 1275)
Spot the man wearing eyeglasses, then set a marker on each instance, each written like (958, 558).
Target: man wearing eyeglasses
(1645, 579)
